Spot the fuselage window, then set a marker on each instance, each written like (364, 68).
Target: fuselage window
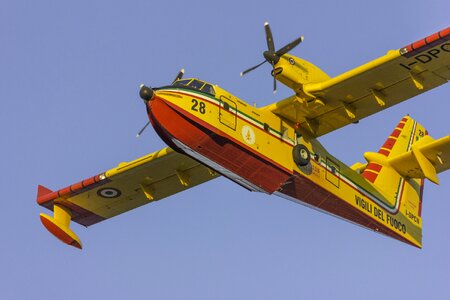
(284, 132)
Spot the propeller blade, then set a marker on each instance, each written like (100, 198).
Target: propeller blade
(269, 37)
(289, 46)
(274, 79)
(252, 68)
(142, 130)
(179, 75)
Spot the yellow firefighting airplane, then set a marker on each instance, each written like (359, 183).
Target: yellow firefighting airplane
(274, 149)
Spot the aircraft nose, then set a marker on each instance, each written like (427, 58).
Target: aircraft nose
(146, 93)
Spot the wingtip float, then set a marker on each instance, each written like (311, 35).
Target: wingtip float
(210, 132)
(58, 225)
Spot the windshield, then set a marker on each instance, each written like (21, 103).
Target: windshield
(196, 85)
(182, 82)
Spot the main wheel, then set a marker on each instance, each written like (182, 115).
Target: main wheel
(301, 155)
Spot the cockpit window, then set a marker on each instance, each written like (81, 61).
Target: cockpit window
(182, 82)
(196, 84)
(207, 88)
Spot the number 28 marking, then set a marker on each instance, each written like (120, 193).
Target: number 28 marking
(198, 106)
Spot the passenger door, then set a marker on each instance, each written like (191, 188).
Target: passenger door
(227, 112)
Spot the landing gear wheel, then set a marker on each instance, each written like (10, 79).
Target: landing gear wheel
(301, 155)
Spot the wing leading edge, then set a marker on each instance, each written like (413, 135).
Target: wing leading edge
(401, 74)
(123, 188)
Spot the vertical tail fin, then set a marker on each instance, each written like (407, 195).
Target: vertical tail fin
(398, 188)
(399, 169)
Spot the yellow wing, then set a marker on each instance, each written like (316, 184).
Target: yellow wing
(128, 186)
(325, 106)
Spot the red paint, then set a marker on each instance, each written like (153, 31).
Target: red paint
(64, 192)
(427, 43)
(43, 191)
(88, 182)
(370, 176)
(384, 152)
(389, 143)
(396, 133)
(371, 172)
(432, 38)
(419, 44)
(445, 33)
(374, 167)
(59, 233)
(76, 186)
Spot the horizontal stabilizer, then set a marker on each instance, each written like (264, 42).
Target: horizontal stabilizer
(427, 158)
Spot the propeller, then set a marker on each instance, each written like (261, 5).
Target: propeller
(146, 93)
(142, 130)
(271, 56)
(179, 76)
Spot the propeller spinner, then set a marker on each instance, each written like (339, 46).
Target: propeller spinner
(146, 93)
(271, 56)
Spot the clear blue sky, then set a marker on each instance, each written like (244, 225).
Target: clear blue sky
(69, 77)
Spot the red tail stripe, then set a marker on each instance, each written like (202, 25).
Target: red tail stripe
(374, 167)
(396, 133)
(370, 176)
(384, 152)
(389, 143)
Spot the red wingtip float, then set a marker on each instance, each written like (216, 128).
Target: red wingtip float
(60, 230)
(59, 224)
(274, 149)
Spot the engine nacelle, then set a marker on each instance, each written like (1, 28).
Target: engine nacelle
(294, 72)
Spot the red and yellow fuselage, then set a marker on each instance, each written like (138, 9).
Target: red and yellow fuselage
(253, 147)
